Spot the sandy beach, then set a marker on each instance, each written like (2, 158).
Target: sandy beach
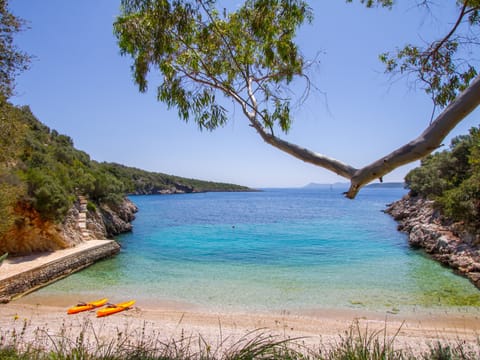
(316, 329)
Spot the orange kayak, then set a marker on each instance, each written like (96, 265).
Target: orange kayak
(115, 308)
(86, 306)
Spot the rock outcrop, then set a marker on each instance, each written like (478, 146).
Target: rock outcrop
(97, 222)
(70, 228)
(107, 221)
(444, 240)
(31, 233)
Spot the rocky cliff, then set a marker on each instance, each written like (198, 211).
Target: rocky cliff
(445, 241)
(31, 233)
(102, 222)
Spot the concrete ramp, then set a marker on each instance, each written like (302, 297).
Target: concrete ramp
(22, 275)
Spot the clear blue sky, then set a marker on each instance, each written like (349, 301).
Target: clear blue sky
(81, 86)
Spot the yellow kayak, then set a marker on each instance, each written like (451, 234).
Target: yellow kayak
(86, 306)
(115, 308)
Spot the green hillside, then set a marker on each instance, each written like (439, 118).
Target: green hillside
(41, 170)
(137, 181)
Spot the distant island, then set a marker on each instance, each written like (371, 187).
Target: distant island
(337, 185)
(340, 185)
(387, 185)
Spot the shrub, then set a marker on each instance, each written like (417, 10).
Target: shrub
(452, 179)
(91, 206)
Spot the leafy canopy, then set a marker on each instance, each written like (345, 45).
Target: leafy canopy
(12, 60)
(247, 55)
(445, 66)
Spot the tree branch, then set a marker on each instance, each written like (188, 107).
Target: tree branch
(449, 35)
(309, 156)
(427, 142)
(251, 81)
(301, 153)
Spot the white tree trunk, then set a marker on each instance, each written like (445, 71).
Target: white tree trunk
(416, 149)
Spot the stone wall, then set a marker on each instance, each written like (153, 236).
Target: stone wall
(445, 241)
(33, 279)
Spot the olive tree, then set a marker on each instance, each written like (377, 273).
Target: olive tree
(206, 53)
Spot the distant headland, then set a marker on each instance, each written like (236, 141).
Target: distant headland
(341, 185)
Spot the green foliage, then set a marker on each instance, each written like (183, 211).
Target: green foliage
(107, 188)
(205, 55)
(11, 189)
(11, 132)
(137, 181)
(54, 171)
(445, 66)
(10, 192)
(452, 179)
(91, 206)
(47, 194)
(249, 55)
(12, 60)
(357, 343)
(372, 3)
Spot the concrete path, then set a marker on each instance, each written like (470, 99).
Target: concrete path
(17, 265)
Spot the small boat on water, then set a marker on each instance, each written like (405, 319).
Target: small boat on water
(86, 306)
(115, 308)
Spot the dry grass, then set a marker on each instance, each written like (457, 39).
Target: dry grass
(91, 344)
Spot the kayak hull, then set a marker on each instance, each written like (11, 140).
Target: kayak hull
(88, 306)
(113, 309)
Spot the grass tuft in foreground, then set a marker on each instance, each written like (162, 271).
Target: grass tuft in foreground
(138, 344)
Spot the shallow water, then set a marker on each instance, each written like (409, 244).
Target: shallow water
(275, 250)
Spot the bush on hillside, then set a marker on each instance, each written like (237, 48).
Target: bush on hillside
(452, 179)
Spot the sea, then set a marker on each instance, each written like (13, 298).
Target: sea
(272, 250)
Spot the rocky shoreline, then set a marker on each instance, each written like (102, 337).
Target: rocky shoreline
(443, 240)
(102, 222)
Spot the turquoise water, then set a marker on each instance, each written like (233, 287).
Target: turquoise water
(272, 250)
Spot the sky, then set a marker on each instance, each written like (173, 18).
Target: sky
(80, 85)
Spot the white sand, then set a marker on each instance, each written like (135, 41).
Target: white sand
(316, 329)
